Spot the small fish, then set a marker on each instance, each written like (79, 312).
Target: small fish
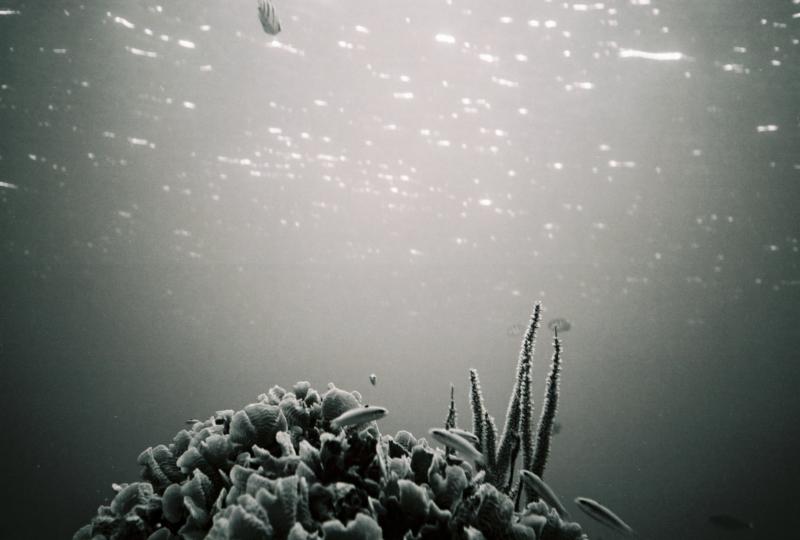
(359, 415)
(268, 17)
(600, 513)
(458, 443)
(468, 435)
(373, 379)
(544, 491)
(730, 523)
(556, 429)
(192, 421)
(559, 325)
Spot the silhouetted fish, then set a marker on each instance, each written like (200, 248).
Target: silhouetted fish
(544, 491)
(556, 429)
(559, 324)
(457, 443)
(468, 435)
(268, 17)
(359, 415)
(600, 513)
(730, 523)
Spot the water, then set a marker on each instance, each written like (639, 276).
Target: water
(191, 212)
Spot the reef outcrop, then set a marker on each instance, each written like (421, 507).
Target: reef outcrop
(277, 469)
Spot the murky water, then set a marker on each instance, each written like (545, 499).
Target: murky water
(192, 211)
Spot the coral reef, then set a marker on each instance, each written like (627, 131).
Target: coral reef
(291, 466)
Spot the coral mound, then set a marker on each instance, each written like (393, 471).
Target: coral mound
(277, 470)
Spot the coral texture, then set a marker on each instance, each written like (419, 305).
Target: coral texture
(278, 469)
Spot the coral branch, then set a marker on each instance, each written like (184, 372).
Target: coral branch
(513, 414)
(450, 421)
(451, 412)
(512, 462)
(478, 409)
(489, 445)
(545, 428)
(526, 418)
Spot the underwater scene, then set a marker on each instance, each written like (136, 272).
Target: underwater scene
(440, 269)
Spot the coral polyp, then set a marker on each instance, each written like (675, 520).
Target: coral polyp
(299, 465)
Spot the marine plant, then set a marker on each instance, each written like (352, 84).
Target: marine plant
(295, 465)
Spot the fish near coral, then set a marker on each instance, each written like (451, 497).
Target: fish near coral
(282, 468)
(544, 491)
(604, 515)
(469, 436)
(336, 402)
(360, 415)
(458, 443)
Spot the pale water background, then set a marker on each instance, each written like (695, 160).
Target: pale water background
(191, 212)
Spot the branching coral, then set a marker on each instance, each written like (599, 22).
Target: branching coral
(545, 428)
(515, 407)
(518, 432)
(478, 407)
(450, 422)
(296, 466)
(489, 445)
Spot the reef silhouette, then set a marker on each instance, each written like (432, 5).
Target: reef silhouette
(279, 469)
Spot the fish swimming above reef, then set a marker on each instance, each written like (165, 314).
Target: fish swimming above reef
(544, 491)
(730, 523)
(359, 415)
(559, 325)
(269, 19)
(311, 476)
(600, 513)
(373, 379)
(469, 436)
(457, 443)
